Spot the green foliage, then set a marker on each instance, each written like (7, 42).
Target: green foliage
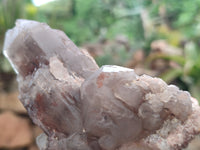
(93, 20)
(113, 56)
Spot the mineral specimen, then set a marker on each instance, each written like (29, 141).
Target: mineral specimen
(80, 106)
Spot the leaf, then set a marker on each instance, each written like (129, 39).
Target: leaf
(171, 75)
(178, 59)
(194, 89)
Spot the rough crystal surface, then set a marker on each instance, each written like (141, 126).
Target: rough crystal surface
(81, 106)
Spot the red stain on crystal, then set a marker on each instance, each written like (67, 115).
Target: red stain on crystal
(40, 104)
(54, 104)
(100, 79)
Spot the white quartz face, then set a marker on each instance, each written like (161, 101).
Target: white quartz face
(110, 68)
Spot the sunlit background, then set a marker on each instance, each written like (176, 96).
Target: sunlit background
(40, 2)
(159, 38)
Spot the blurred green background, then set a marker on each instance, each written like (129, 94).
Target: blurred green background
(166, 33)
(156, 37)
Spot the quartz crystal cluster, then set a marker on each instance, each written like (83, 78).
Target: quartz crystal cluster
(80, 106)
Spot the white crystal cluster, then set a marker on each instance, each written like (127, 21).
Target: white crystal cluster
(126, 107)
